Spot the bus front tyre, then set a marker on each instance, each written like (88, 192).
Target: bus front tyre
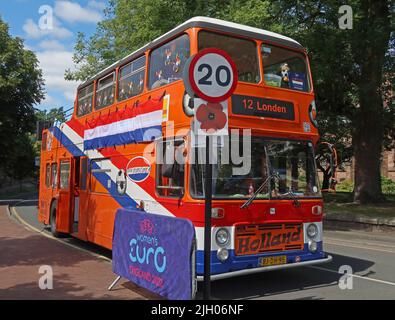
(54, 232)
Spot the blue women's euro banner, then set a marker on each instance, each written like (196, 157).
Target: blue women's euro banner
(154, 252)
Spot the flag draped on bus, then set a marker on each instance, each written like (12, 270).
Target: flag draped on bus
(139, 123)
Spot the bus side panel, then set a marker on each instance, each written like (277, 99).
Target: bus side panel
(100, 219)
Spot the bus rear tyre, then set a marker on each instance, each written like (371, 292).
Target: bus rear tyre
(54, 232)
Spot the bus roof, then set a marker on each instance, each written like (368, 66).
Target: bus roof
(203, 22)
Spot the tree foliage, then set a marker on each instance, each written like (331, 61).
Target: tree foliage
(21, 86)
(52, 115)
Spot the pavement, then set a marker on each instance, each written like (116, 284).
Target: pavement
(370, 255)
(78, 273)
(360, 219)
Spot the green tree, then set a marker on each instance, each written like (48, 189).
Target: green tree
(20, 158)
(21, 86)
(353, 73)
(128, 26)
(352, 69)
(54, 114)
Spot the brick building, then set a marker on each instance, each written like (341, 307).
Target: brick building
(387, 167)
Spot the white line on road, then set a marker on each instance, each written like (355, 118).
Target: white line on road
(371, 243)
(354, 275)
(354, 246)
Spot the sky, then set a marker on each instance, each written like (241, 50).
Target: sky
(52, 37)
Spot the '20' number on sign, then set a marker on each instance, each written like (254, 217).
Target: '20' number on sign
(212, 75)
(221, 80)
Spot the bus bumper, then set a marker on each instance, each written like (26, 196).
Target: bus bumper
(243, 272)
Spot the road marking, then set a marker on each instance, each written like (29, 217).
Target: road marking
(355, 275)
(372, 243)
(32, 228)
(358, 247)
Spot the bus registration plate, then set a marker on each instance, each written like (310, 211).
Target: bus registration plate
(271, 261)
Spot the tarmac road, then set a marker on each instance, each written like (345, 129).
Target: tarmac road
(371, 256)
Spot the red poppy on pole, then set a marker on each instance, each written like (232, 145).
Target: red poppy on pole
(211, 117)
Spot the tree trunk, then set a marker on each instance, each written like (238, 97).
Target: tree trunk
(368, 121)
(367, 140)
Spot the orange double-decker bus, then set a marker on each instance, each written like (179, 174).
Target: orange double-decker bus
(137, 110)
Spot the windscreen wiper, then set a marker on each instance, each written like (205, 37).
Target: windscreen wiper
(293, 196)
(255, 194)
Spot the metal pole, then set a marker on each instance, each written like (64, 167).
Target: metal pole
(114, 283)
(207, 220)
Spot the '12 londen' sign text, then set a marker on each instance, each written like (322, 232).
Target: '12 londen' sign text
(262, 107)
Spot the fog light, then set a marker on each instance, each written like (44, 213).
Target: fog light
(312, 231)
(312, 246)
(222, 254)
(222, 237)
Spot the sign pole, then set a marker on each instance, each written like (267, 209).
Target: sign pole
(211, 76)
(207, 219)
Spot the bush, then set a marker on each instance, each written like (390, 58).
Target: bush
(345, 186)
(387, 186)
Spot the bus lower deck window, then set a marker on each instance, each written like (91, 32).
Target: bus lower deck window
(169, 170)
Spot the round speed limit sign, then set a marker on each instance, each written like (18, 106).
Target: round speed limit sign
(212, 75)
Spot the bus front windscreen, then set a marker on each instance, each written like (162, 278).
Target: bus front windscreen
(291, 161)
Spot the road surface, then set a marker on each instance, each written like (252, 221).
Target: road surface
(370, 255)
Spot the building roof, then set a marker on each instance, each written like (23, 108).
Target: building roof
(204, 22)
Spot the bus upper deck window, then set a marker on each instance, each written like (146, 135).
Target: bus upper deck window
(167, 62)
(131, 79)
(243, 52)
(285, 68)
(105, 91)
(84, 104)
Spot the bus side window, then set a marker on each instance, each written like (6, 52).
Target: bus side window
(84, 172)
(64, 173)
(84, 101)
(131, 79)
(167, 62)
(54, 175)
(105, 91)
(48, 175)
(100, 181)
(169, 172)
(44, 142)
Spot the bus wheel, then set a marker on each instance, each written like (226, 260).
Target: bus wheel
(55, 233)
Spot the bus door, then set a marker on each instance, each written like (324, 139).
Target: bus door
(80, 197)
(75, 192)
(63, 220)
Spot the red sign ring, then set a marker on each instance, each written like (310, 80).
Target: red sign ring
(195, 87)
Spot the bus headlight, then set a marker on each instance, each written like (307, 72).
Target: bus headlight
(222, 237)
(312, 231)
(222, 254)
(312, 246)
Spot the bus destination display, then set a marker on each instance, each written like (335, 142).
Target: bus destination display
(262, 107)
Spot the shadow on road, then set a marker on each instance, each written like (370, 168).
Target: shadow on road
(268, 284)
